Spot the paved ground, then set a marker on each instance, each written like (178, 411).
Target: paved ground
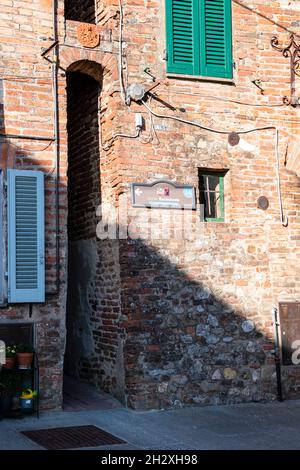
(82, 397)
(253, 426)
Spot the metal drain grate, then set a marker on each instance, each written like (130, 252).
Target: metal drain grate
(72, 437)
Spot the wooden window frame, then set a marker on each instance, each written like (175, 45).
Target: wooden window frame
(221, 175)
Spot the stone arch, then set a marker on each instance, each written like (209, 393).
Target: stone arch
(87, 61)
(87, 357)
(88, 67)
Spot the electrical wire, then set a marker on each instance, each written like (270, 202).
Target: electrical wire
(201, 126)
(126, 136)
(283, 218)
(28, 150)
(22, 78)
(228, 100)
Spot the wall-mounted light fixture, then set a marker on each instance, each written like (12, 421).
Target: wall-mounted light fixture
(292, 51)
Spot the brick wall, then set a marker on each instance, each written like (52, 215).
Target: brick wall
(183, 302)
(186, 301)
(84, 192)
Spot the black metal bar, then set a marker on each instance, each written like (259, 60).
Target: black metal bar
(27, 137)
(277, 354)
(45, 51)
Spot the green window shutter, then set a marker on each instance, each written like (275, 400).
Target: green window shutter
(216, 38)
(183, 36)
(26, 245)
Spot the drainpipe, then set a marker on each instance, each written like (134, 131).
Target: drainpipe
(57, 147)
(277, 354)
(54, 70)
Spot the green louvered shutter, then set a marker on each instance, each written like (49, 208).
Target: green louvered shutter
(183, 36)
(26, 258)
(216, 38)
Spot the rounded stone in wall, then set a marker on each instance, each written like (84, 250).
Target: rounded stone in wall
(248, 326)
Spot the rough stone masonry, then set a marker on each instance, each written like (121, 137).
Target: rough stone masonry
(158, 322)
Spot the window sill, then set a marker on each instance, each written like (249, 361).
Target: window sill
(213, 221)
(201, 78)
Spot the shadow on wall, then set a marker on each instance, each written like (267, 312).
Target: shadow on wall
(84, 196)
(183, 344)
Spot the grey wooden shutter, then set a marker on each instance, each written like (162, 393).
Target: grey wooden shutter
(26, 246)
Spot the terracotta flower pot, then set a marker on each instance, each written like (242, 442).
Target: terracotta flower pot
(25, 360)
(9, 363)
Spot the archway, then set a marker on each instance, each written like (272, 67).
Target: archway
(82, 362)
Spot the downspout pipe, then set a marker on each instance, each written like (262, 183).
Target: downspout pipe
(57, 146)
(276, 326)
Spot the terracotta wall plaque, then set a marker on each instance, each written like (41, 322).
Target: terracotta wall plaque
(88, 35)
(163, 194)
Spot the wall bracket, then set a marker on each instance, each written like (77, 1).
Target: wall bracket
(291, 51)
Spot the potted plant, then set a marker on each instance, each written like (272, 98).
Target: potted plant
(25, 353)
(10, 357)
(26, 400)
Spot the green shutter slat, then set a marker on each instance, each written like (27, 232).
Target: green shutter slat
(216, 38)
(26, 263)
(182, 34)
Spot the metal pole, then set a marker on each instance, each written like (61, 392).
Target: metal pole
(276, 325)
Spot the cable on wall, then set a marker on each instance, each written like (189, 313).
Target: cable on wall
(201, 126)
(283, 218)
(228, 100)
(125, 136)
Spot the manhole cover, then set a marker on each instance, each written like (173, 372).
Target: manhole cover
(72, 437)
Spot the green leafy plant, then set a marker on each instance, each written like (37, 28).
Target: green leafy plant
(11, 351)
(24, 348)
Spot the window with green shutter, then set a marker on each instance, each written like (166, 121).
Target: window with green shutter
(199, 37)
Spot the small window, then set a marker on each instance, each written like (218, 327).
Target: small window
(211, 187)
(81, 10)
